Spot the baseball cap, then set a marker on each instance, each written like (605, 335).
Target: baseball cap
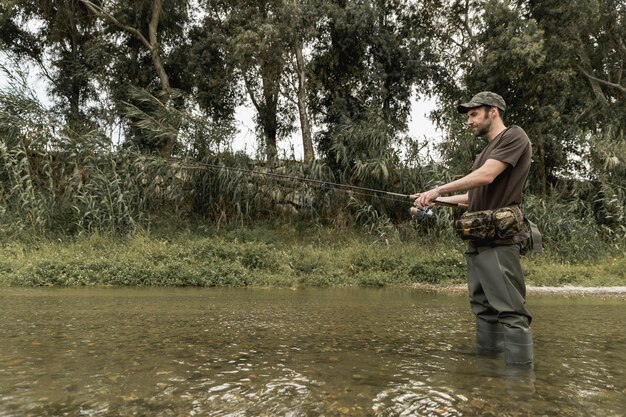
(484, 98)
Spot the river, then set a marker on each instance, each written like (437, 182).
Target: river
(305, 352)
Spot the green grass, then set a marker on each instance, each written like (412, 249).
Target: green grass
(268, 256)
(610, 271)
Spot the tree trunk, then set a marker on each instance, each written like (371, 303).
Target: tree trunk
(75, 116)
(543, 176)
(269, 119)
(266, 111)
(154, 48)
(307, 141)
(167, 149)
(270, 129)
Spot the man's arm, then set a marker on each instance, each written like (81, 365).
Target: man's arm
(459, 199)
(482, 176)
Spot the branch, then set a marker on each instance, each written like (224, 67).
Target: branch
(601, 81)
(620, 43)
(152, 45)
(44, 70)
(251, 93)
(99, 12)
(470, 33)
(154, 21)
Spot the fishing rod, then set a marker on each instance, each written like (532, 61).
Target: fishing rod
(415, 210)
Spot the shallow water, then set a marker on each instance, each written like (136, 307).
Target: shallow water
(311, 352)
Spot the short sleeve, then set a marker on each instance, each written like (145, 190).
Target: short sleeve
(511, 146)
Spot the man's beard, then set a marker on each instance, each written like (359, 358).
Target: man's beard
(482, 129)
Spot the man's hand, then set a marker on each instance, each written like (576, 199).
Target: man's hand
(426, 198)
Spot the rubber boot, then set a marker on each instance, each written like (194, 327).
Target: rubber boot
(489, 338)
(518, 347)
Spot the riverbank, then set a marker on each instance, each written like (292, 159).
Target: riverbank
(533, 289)
(263, 256)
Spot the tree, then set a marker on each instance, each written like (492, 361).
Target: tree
(148, 37)
(60, 39)
(258, 47)
(365, 63)
(208, 73)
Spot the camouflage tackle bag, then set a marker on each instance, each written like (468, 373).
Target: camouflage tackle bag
(500, 224)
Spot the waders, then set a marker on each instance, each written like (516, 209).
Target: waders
(497, 296)
(489, 338)
(518, 347)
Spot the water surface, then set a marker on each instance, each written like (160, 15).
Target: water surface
(311, 352)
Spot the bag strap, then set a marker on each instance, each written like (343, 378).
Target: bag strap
(535, 237)
(535, 234)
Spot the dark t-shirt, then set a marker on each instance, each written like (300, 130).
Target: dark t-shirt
(512, 147)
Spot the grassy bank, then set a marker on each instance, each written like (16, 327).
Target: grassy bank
(266, 256)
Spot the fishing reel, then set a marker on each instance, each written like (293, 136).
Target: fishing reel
(421, 213)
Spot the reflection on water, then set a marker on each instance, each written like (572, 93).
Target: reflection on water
(259, 352)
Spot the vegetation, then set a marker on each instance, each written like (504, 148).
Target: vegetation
(143, 113)
(268, 256)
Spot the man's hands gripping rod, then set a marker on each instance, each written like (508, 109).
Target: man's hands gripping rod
(424, 201)
(417, 211)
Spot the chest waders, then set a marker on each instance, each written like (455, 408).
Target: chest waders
(497, 297)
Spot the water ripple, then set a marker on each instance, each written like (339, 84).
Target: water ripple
(273, 353)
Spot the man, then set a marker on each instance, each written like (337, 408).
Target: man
(495, 280)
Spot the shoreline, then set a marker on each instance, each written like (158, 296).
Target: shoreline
(533, 289)
(570, 289)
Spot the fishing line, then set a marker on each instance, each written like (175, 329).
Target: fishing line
(321, 183)
(426, 212)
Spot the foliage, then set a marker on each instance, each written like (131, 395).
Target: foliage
(266, 256)
(210, 75)
(87, 162)
(224, 260)
(59, 38)
(364, 64)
